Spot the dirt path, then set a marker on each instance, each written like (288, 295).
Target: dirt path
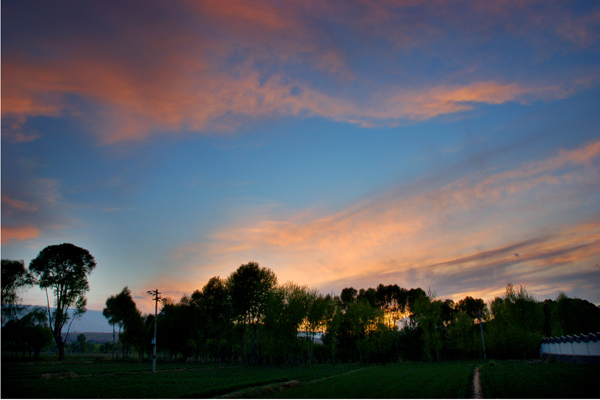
(477, 393)
(265, 390)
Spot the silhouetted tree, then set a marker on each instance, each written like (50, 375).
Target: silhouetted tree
(392, 300)
(348, 296)
(570, 316)
(215, 305)
(27, 334)
(286, 311)
(332, 321)
(180, 328)
(64, 269)
(122, 311)
(369, 295)
(250, 287)
(462, 336)
(412, 296)
(411, 343)
(15, 278)
(110, 312)
(362, 320)
(80, 344)
(428, 315)
(316, 320)
(36, 332)
(517, 326)
(472, 307)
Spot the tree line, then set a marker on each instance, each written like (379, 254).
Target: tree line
(248, 317)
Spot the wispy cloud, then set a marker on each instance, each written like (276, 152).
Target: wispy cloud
(464, 233)
(11, 233)
(18, 205)
(28, 205)
(220, 65)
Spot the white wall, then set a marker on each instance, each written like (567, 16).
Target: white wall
(582, 345)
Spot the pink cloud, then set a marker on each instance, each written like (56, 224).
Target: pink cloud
(10, 233)
(18, 205)
(463, 230)
(193, 85)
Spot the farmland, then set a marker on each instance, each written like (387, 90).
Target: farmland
(527, 380)
(88, 377)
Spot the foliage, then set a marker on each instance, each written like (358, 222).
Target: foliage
(63, 269)
(286, 311)
(15, 277)
(214, 303)
(428, 315)
(121, 310)
(462, 337)
(315, 320)
(250, 287)
(248, 317)
(30, 334)
(80, 345)
(348, 296)
(410, 343)
(362, 319)
(517, 326)
(180, 329)
(570, 316)
(474, 308)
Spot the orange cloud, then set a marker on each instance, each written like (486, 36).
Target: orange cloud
(192, 84)
(18, 205)
(10, 233)
(466, 231)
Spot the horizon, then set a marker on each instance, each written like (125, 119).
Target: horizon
(448, 146)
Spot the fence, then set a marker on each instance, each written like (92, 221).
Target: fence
(572, 348)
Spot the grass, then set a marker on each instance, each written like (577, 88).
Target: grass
(516, 379)
(415, 380)
(110, 379)
(97, 378)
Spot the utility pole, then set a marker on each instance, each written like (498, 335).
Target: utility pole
(482, 341)
(157, 297)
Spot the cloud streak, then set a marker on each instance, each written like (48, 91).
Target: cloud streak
(145, 82)
(214, 78)
(462, 232)
(10, 233)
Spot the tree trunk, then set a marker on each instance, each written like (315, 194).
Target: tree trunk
(256, 348)
(114, 345)
(61, 346)
(244, 343)
(310, 343)
(252, 349)
(232, 341)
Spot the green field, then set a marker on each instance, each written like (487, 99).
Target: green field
(108, 379)
(514, 379)
(96, 378)
(415, 380)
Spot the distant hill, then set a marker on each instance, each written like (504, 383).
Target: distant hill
(91, 321)
(92, 337)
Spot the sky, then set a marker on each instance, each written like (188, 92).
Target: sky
(452, 146)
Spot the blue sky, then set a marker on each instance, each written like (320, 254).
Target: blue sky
(452, 146)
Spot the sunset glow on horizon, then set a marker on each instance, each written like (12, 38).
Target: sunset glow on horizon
(445, 145)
